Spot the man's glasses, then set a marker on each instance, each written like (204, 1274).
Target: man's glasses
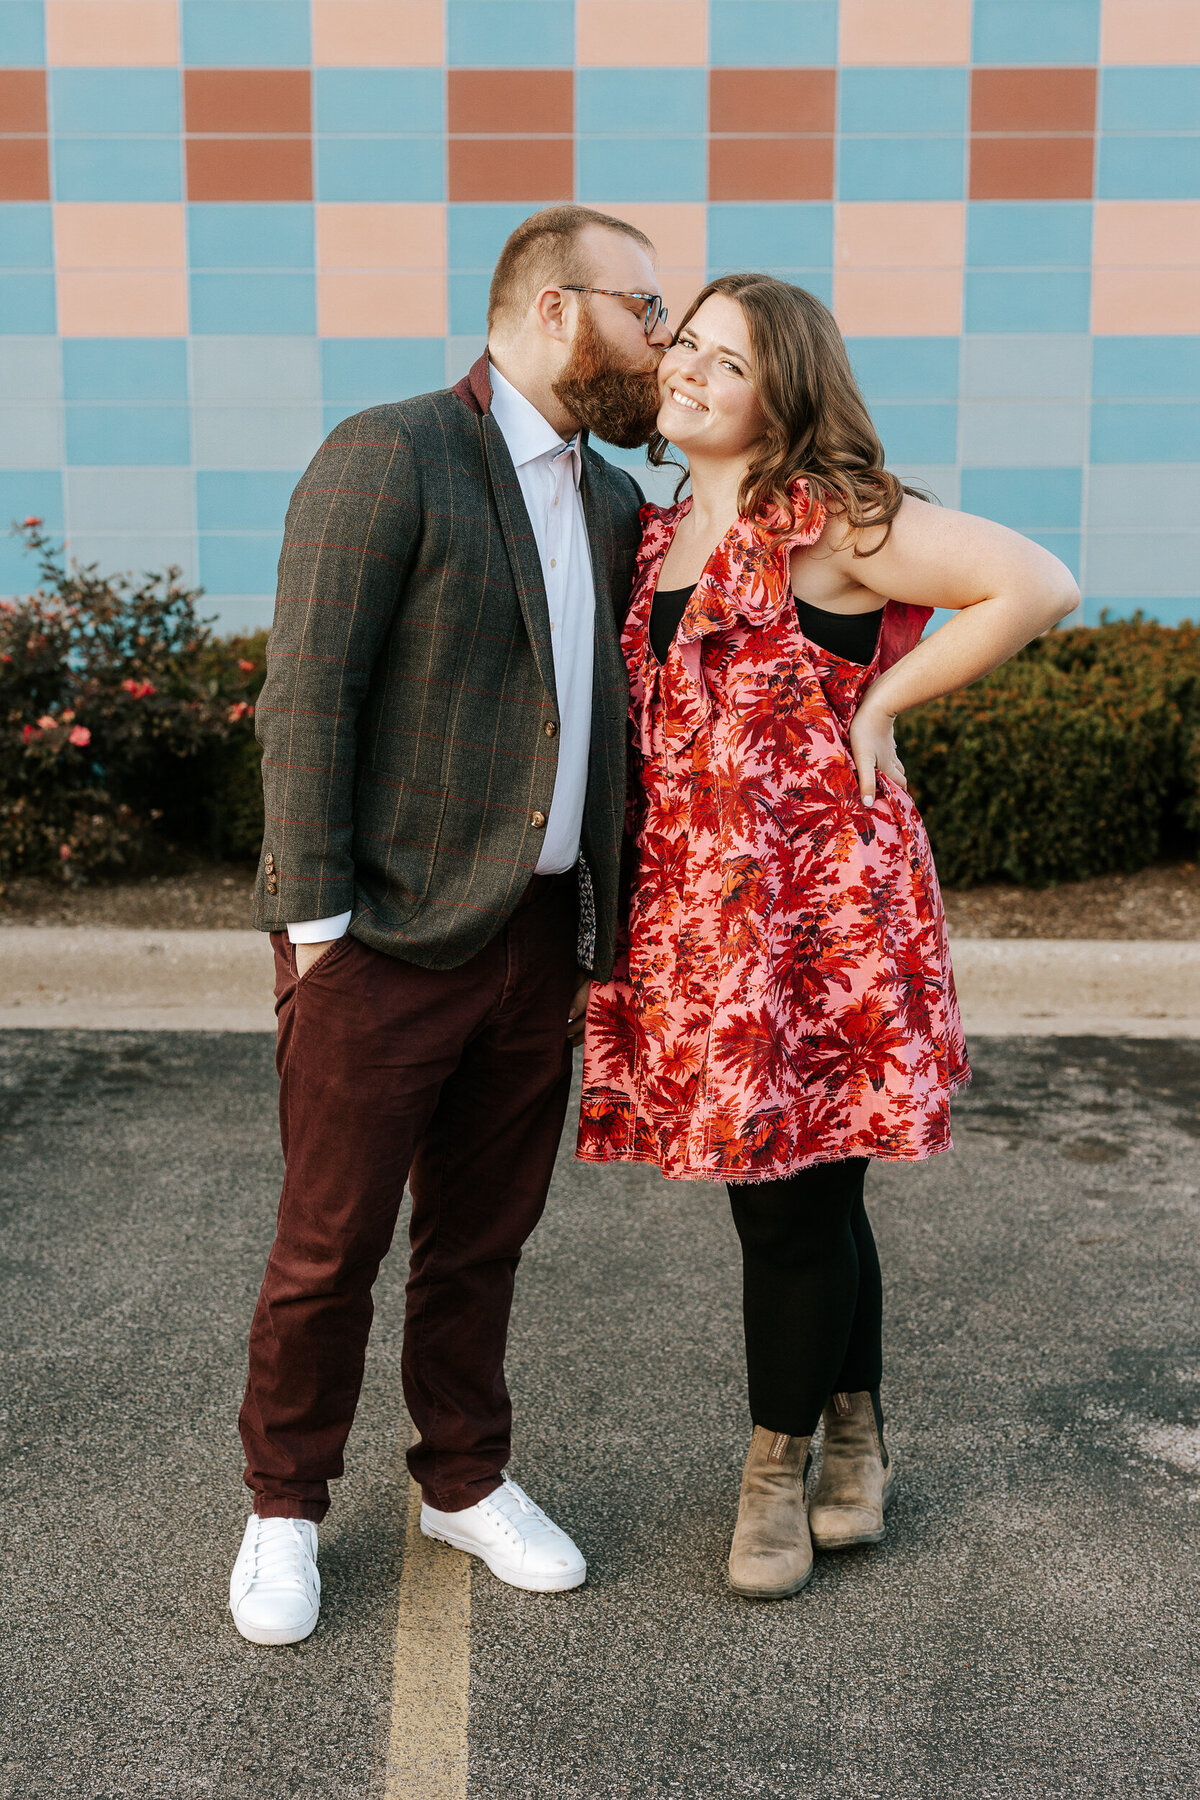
(656, 312)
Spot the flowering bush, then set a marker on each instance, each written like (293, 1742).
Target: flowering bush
(121, 719)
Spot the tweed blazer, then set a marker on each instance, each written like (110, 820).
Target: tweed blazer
(408, 719)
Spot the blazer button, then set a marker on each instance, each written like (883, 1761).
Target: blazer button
(270, 863)
(550, 728)
(272, 885)
(538, 821)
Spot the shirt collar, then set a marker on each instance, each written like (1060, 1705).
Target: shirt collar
(527, 434)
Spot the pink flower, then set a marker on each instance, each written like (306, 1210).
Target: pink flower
(6, 657)
(47, 722)
(31, 523)
(64, 851)
(246, 667)
(80, 735)
(147, 688)
(29, 731)
(238, 710)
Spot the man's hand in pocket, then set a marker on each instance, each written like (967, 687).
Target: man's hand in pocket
(308, 954)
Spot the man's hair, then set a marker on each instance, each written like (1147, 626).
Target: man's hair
(544, 251)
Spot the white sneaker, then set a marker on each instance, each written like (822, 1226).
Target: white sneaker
(515, 1539)
(275, 1591)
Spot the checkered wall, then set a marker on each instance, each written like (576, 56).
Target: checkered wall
(225, 224)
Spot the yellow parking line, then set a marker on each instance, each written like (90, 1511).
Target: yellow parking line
(427, 1745)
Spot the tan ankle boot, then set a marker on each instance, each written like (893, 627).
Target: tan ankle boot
(771, 1554)
(855, 1484)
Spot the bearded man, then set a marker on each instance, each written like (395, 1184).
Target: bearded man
(443, 728)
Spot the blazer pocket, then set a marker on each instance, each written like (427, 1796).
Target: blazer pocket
(408, 853)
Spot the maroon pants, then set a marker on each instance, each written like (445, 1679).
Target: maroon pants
(456, 1081)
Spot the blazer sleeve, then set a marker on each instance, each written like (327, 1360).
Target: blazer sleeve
(351, 533)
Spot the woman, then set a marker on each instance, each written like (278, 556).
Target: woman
(783, 1010)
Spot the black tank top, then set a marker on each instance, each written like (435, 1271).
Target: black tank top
(852, 636)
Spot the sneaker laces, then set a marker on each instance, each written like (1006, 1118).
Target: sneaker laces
(508, 1502)
(280, 1555)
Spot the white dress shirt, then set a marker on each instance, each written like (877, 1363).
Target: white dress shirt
(548, 471)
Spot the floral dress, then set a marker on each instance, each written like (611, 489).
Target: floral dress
(782, 994)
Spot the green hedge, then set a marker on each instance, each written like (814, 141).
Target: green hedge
(126, 728)
(1078, 757)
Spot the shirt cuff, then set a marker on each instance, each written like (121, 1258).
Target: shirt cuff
(319, 931)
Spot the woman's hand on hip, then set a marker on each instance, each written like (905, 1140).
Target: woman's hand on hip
(873, 747)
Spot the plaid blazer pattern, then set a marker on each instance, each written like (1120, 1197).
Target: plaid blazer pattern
(410, 682)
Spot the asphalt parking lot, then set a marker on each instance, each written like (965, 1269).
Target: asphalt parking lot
(1028, 1630)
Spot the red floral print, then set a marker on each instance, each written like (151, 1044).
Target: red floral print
(782, 994)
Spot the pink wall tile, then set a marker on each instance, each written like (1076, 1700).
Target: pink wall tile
(385, 235)
(365, 34)
(875, 33)
(1149, 31)
(899, 234)
(641, 34)
(119, 234)
(122, 303)
(381, 303)
(676, 228)
(1133, 302)
(1146, 234)
(898, 302)
(113, 33)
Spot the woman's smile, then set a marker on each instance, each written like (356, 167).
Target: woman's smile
(682, 399)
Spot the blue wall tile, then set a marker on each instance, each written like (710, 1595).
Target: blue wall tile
(1156, 494)
(30, 436)
(136, 553)
(770, 234)
(128, 369)
(379, 100)
(1130, 368)
(1011, 434)
(26, 236)
(756, 34)
(1066, 545)
(131, 168)
(1132, 431)
(1027, 499)
(31, 491)
(1157, 610)
(22, 34)
(248, 500)
(1166, 99)
(1027, 300)
(1054, 234)
(915, 433)
(1037, 367)
(245, 34)
(475, 234)
(255, 436)
(236, 303)
(646, 102)
(246, 235)
(27, 302)
(30, 368)
(365, 371)
(902, 100)
(243, 564)
(1148, 168)
(629, 168)
(1152, 563)
(241, 370)
(1035, 32)
(905, 368)
(468, 298)
(901, 168)
(128, 499)
(121, 101)
(127, 434)
(519, 34)
(381, 168)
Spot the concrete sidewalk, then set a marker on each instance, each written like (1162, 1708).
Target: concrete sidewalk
(89, 979)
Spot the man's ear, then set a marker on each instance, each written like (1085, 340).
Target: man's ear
(555, 312)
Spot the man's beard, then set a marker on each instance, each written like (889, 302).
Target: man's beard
(607, 397)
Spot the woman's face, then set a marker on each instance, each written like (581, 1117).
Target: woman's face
(709, 406)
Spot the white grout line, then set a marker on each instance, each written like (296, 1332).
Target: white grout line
(427, 1744)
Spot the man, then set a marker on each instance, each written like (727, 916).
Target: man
(443, 728)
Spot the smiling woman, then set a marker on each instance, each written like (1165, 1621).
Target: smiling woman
(782, 1009)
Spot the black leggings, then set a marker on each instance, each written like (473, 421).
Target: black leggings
(812, 1296)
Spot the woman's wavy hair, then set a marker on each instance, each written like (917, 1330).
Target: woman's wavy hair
(817, 423)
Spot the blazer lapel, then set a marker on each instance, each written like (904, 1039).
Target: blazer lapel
(521, 546)
(610, 678)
